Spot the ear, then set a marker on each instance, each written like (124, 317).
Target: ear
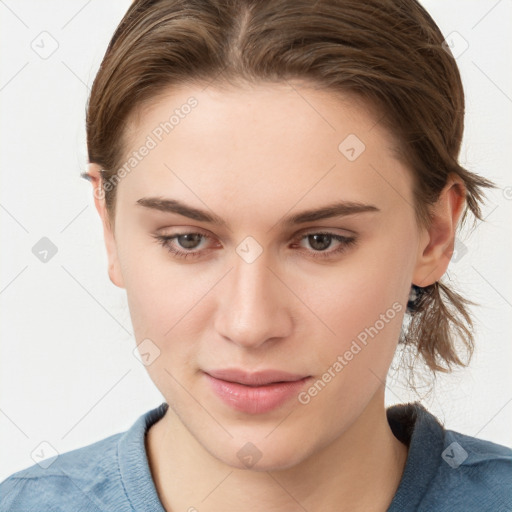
(437, 243)
(114, 269)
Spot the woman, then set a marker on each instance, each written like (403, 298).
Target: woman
(280, 193)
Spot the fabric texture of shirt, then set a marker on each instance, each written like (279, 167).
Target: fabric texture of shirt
(445, 471)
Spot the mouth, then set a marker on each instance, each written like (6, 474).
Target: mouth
(255, 393)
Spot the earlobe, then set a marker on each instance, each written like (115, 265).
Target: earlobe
(114, 269)
(114, 273)
(437, 243)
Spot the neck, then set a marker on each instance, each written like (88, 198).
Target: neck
(360, 470)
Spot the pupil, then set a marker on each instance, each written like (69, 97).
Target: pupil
(324, 242)
(190, 240)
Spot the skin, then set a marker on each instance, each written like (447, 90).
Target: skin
(252, 155)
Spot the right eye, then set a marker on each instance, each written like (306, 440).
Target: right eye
(181, 245)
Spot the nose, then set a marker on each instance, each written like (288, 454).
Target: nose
(254, 304)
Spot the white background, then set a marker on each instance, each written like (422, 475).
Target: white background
(68, 374)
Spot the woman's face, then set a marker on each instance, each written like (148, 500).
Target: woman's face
(241, 171)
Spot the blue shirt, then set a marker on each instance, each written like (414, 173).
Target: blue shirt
(445, 471)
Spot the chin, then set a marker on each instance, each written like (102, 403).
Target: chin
(261, 455)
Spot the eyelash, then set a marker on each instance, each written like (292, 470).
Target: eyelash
(346, 242)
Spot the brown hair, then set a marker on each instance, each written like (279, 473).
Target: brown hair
(390, 53)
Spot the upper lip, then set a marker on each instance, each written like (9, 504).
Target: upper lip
(259, 378)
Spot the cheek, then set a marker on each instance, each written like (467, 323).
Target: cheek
(364, 320)
(164, 309)
(364, 308)
(355, 294)
(161, 300)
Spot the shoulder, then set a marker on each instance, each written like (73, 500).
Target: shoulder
(110, 474)
(75, 480)
(475, 472)
(448, 470)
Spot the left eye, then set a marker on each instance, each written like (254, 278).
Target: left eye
(319, 241)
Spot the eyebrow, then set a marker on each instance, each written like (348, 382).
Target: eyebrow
(339, 209)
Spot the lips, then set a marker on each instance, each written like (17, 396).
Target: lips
(259, 378)
(255, 393)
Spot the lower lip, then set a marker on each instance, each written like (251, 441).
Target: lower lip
(255, 399)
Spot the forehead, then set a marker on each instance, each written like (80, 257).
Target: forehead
(283, 142)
